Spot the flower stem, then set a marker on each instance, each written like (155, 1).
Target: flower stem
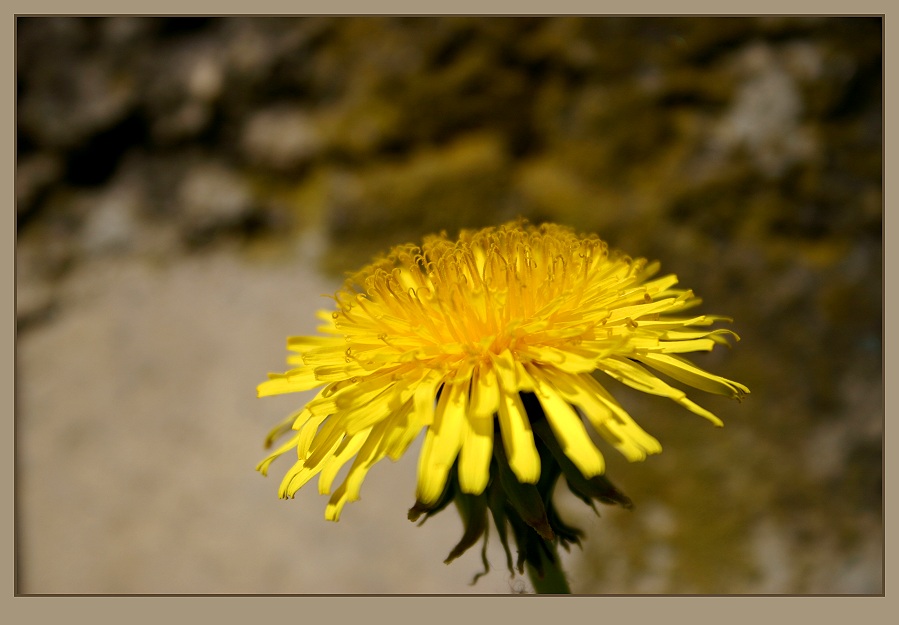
(553, 581)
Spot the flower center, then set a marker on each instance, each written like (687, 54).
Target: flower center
(492, 291)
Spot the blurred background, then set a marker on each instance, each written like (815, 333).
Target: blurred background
(188, 188)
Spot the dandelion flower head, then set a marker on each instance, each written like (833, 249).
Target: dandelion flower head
(452, 337)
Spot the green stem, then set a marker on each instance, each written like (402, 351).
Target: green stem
(553, 581)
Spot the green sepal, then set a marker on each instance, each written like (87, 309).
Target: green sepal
(496, 501)
(473, 510)
(525, 499)
(599, 488)
(530, 545)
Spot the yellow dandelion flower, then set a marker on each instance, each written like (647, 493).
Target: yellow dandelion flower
(482, 343)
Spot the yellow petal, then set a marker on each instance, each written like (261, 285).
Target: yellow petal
(349, 489)
(294, 479)
(303, 343)
(347, 449)
(569, 430)
(484, 391)
(691, 345)
(302, 379)
(685, 334)
(402, 428)
(566, 360)
(660, 285)
(504, 365)
(635, 443)
(307, 434)
(635, 376)
(518, 439)
(424, 396)
(333, 355)
(442, 442)
(325, 441)
(368, 409)
(263, 466)
(642, 310)
(609, 419)
(475, 455)
(688, 373)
